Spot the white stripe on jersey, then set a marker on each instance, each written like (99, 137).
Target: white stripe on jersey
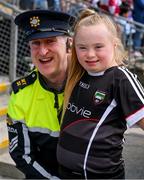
(141, 86)
(104, 116)
(138, 84)
(134, 82)
(134, 118)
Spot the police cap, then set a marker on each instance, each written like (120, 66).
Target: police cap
(44, 23)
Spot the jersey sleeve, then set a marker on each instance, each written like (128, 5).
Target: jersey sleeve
(131, 95)
(21, 147)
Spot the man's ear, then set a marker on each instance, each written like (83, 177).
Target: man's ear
(68, 45)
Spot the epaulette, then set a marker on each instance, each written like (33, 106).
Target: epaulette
(23, 82)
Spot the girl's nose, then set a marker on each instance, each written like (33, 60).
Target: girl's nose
(90, 53)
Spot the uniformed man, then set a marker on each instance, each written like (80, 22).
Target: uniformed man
(36, 101)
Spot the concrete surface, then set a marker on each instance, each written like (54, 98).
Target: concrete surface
(134, 153)
(7, 167)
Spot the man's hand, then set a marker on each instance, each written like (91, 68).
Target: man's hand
(141, 123)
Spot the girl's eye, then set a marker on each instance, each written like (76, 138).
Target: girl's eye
(97, 47)
(82, 47)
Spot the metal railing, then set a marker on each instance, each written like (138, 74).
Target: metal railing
(13, 49)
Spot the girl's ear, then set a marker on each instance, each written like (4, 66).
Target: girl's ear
(115, 41)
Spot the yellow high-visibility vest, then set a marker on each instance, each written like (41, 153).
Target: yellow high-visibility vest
(32, 104)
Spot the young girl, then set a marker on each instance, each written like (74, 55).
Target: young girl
(102, 98)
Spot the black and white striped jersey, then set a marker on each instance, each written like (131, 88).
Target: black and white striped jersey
(101, 107)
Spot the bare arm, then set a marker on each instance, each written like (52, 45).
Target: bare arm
(141, 123)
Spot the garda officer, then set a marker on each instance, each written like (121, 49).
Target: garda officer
(35, 105)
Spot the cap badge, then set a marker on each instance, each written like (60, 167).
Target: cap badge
(34, 21)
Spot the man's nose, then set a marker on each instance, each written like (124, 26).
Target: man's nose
(43, 49)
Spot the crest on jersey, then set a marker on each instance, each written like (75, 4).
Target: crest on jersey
(99, 97)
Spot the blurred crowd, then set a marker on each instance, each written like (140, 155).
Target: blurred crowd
(128, 9)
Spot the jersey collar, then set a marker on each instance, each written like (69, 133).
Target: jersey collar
(96, 73)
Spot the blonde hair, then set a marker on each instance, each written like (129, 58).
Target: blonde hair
(90, 17)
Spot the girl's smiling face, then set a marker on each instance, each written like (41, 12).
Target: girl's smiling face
(95, 48)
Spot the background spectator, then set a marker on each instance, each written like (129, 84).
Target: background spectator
(33, 4)
(54, 5)
(111, 6)
(127, 28)
(76, 7)
(25, 4)
(138, 15)
(40, 4)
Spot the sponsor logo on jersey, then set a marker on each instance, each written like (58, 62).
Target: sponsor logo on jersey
(79, 110)
(84, 85)
(99, 97)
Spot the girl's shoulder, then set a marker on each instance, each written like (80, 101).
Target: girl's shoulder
(121, 72)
